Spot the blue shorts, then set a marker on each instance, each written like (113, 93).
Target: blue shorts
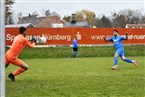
(120, 52)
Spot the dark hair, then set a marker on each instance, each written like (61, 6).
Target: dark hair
(22, 30)
(116, 31)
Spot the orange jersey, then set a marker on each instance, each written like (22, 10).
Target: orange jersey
(19, 42)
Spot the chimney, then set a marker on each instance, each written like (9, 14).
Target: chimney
(29, 15)
(73, 21)
(19, 18)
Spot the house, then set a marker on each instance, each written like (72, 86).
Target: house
(33, 19)
(27, 25)
(47, 21)
(135, 26)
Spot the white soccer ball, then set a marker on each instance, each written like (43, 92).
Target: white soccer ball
(43, 40)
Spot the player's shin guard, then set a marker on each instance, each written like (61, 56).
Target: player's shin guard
(128, 60)
(115, 61)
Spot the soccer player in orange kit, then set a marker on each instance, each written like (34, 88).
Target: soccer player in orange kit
(11, 55)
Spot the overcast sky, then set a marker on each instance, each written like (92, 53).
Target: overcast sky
(67, 7)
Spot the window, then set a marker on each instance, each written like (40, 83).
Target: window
(57, 25)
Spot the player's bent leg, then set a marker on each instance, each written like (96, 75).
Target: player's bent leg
(23, 67)
(20, 70)
(129, 61)
(126, 60)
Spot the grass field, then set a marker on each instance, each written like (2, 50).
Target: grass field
(79, 77)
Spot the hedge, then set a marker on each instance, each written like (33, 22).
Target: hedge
(66, 52)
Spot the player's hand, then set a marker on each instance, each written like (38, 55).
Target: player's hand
(36, 41)
(104, 36)
(126, 38)
(33, 44)
(32, 38)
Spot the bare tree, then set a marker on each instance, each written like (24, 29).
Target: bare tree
(43, 10)
(143, 19)
(47, 13)
(8, 11)
(126, 16)
(102, 22)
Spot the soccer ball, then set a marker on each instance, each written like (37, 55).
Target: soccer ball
(43, 40)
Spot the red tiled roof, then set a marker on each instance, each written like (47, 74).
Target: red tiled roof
(48, 21)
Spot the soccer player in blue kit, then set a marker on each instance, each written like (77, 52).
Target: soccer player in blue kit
(117, 40)
(75, 47)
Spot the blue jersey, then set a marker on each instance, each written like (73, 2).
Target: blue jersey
(75, 43)
(117, 41)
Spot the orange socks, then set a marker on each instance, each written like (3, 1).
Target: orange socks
(18, 71)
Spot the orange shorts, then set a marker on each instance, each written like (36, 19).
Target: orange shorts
(13, 60)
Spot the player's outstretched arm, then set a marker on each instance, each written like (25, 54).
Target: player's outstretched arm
(31, 45)
(126, 37)
(28, 44)
(104, 37)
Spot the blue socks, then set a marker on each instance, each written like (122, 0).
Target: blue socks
(128, 60)
(115, 61)
(75, 53)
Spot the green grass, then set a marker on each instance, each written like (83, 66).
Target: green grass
(79, 77)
